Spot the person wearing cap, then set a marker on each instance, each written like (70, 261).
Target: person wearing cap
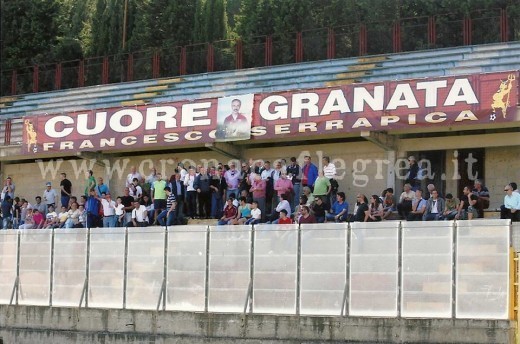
(412, 176)
(49, 196)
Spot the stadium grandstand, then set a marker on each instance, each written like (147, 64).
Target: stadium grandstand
(367, 198)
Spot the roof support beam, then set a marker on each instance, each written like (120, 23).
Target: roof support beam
(226, 149)
(381, 139)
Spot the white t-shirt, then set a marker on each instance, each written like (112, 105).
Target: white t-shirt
(256, 213)
(139, 214)
(131, 176)
(119, 209)
(108, 207)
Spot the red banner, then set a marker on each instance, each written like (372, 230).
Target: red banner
(391, 105)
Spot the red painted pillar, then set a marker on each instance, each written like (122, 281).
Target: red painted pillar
(81, 73)
(57, 77)
(331, 44)
(239, 54)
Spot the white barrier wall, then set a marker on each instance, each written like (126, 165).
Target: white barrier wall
(388, 269)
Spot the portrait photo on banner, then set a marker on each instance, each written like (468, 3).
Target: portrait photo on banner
(234, 117)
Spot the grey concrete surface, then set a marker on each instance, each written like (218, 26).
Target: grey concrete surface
(32, 324)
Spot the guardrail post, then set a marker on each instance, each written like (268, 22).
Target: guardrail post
(125, 268)
(84, 292)
(206, 284)
(346, 289)
(162, 294)
(16, 285)
(249, 293)
(454, 271)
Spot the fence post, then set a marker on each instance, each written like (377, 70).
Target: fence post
(130, 67)
(362, 40)
(57, 77)
(104, 73)
(268, 53)
(432, 35)
(299, 47)
(331, 44)
(155, 65)
(210, 58)
(504, 25)
(466, 31)
(182, 68)
(7, 132)
(36, 76)
(239, 54)
(81, 73)
(396, 37)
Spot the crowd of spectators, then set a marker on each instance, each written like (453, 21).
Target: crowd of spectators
(254, 192)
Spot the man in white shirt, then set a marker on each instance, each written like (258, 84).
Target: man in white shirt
(133, 174)
(139, 216)
(109, 210)
(49, 196)
(511, 204)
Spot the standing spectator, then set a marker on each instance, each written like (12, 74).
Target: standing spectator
(418, 207)
(434, 207)
(101, 188)
(322, 187)
(66, 190)
(405, 201)
(92, 207)
(177, 187)
(267, 174)
(133, 174)
(232, 177)
(412, 176)
(109, 210)
(49, 196)
(150, 179)
(191, 193)
(136, 191)
(17, 211)
(511, 204)
(158, 195)
(127, 202)
(244, 174)
(329, 171)
(7, 216)
(482, 194)
(90, 183)
(339, 210)
(120, 212)
(284, 186)
(294, 175)
(450, 207)
(139, 216)
(218, 189)
(8, 189)
(202, 186)
(375, 210)
(309, 173)
(258, 190)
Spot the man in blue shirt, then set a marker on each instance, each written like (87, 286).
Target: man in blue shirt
(339, 210)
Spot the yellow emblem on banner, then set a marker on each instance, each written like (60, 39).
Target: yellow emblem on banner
(501, 97)
(31, 136)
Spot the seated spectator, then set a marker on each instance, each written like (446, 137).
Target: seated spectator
(450, 207)
(230, 212)
(307, 192)
(38, 219)
(434, 207)
(243, 213)
(320, 209)
(388, 202)
(284, 204)
(473, 207)
(298, 209)
(306, 216)
(511, 204)
(73, 216)
(51, 219)
(284, 219)
(503, 211)
(418, 207)
(405, 201)
(256, 214)
(83, 216)
(28, 220)
(339, 210)
(360, 209)
(139, 216)
(62, 217)
(462, 210)
(374, 213)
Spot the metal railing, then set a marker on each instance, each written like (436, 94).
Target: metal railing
(389, 269)
(358, 39)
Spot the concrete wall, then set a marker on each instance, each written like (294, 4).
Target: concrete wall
(42, 325)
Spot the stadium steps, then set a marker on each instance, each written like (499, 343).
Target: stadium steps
(316, 74)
